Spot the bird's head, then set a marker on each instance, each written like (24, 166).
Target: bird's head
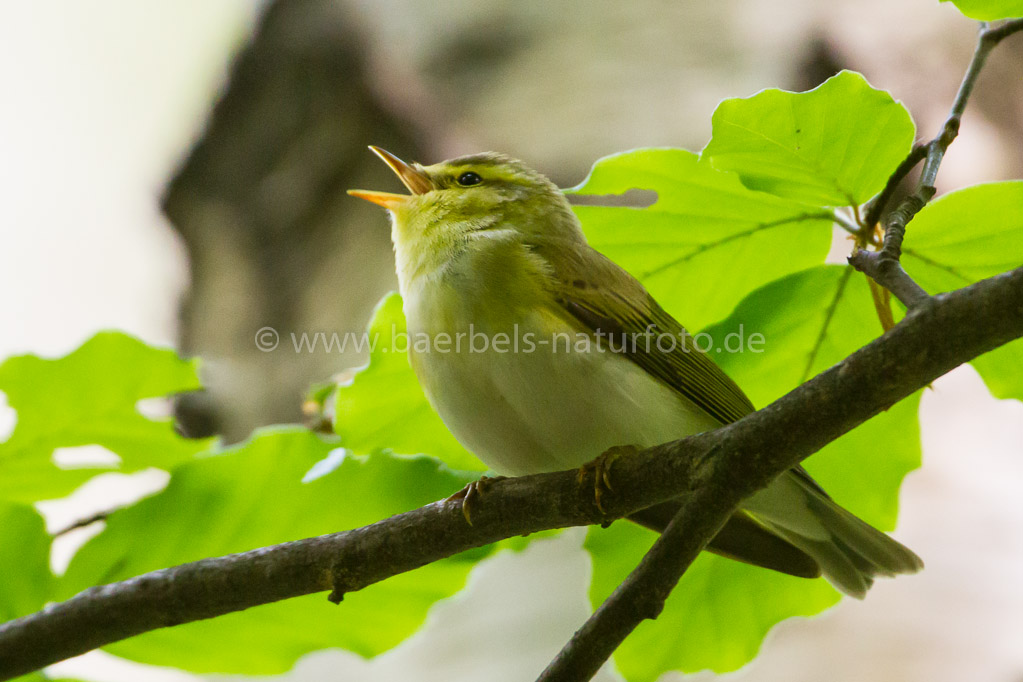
(478, 203)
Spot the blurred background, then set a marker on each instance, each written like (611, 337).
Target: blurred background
(175, 169)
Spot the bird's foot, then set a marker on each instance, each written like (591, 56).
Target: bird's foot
(601, 468)
(471, 495)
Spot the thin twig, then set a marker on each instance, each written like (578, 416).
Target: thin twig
(643, 594)
(884, 265)
(82, 523)
(702, 513)
(986, 41)
(846, 224)
(876, 205)
(732, 462)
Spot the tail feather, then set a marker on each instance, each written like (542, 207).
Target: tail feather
(742, 539)
(851, 553)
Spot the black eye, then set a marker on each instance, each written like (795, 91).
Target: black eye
(469, 179)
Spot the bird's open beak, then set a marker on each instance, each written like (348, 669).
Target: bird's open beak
(416, 180)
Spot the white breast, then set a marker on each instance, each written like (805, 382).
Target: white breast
(554, 404)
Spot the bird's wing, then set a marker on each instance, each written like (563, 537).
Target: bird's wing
(606, 300)
(613, 305)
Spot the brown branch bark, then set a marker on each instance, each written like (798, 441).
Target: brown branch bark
(884, 265)
(710, 472)
(801, 422)
(644, 592)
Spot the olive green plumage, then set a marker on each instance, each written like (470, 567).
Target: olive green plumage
(486, 245)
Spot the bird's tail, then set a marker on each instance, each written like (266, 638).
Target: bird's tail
(850, 552)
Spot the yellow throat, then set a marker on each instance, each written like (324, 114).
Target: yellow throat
(547, 357)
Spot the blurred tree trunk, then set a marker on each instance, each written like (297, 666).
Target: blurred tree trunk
(272, 238)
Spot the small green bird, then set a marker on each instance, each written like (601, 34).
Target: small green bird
(484, 245)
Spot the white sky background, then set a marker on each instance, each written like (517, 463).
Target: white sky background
(99, 99)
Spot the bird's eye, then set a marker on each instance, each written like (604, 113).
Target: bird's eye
(469, 179)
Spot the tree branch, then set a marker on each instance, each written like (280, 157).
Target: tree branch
(645, 591)
(805, 420)
(883, 265)
(710, 473)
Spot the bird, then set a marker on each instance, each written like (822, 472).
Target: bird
(486, 246)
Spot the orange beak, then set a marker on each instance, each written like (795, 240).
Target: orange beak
(413, 178)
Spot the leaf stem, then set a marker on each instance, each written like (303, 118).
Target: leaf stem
(846, 224)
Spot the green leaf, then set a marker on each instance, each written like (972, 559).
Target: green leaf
(384, 407)
(809, 321)
(717, 616)
(989, 10)
(965, 236)
(251, 496)
(89, 398)
(835, 145)
(961, 238)
(1002, 370)
(27, 582)
(685, 247)
(806, 323)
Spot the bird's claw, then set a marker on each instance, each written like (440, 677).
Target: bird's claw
(601, 468)
(472, 493)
